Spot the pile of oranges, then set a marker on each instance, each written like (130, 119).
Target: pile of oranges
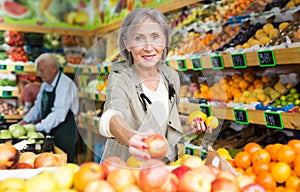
(276, 166)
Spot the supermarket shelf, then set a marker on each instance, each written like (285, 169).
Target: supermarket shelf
(96, 97)
(9, 117)
(291, 120)
(8, 93)
(284, 56)
(88, 123)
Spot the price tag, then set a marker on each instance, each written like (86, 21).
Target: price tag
(205, 109)
(99, 69)
(90, 71)
(189, 150)
(241, 116)
(203, 154)
(75, 69)
(2, 118)
(106, 70)
(181, 64)
(239, 60)
(97, 97)
(3, 67)
(168, 63)
(6, 94)
(61, 68)
(273, 119)
(217, 62)
(197, 64)
(19, 68)
(266, 58)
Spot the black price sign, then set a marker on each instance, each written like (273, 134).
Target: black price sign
(19, 68)
(6, 94)
(241, 116)
(205, 109)
(203, 154)
(2, 118)
(3, 67)
(75, 69)
(266, 58)
(197, 64)
(181, 64)
(97, 97)
(217, 62)
(189, 150)
(273, 119)
(106, 70)
(239, 60)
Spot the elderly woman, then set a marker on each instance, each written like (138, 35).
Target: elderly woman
(143, 92)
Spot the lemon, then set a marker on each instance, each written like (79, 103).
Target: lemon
(133, 162)
(212, 121)
(196, 114)
(224, 153)
(12, 184)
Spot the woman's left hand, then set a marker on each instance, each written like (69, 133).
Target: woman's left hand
(198, 125)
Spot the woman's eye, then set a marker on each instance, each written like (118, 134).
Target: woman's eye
(155, 36)
(138, 38)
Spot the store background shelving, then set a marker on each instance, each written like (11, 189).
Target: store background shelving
(88, 124)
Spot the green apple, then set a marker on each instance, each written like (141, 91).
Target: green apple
(29, 127)
(283, 98)
(293, 90)
(12, 127)
(63, 176)
(5, 134)
(18, 132)
(40, 135)
(32, 135)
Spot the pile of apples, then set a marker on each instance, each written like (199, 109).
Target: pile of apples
(154, 175)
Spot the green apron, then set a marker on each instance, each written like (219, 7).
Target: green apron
(65, 134)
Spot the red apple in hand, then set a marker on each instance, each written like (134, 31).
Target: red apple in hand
(253, 187)
(180, 171)
(157, 145)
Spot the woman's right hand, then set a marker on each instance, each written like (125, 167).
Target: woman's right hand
(137, 148)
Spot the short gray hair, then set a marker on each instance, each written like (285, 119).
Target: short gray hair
(49, 59)
(135, 17)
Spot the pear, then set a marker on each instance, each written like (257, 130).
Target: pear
(64, 175)
(42, 182)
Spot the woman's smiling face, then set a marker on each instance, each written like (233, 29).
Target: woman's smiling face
(146, 43)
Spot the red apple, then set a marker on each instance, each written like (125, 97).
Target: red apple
(253, 187)
(192, 161)
(99, 186)
(205, 170)
(226, 175)
(224, 185)
(120, 178)
(157, 145)
(180, 171)
(88, 171)
(153, 175)
(112, 163)
(214, 169)
(194, 181)
(171, 184)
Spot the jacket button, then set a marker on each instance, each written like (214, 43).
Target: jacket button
(170, 122)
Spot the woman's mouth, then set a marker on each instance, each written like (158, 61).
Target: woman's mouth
(148, 57)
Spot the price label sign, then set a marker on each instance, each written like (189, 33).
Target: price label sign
(97, 97)
(241, 116)
(239, 60)
(181, 64)
(2, 118)
(6, 94)
(90, 71)
(75, 69)
(168, 63)
(106, 70)
(19, 68)
(3, 67)
(205, 109)
(197, 64)
(266, 58)
(203, 154)
(189, 150)
(217, 62)
(99, 69)
(273, 119)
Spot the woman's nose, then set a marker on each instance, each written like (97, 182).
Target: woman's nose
(148, 46)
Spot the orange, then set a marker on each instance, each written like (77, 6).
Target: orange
(297, 170)
(251, 147)
(293, 182)
(273, 151)
(279, 189)
(297, 160)
(242, 160)
(266, 180)
(240, 170)
(268, 148)
(251, 175)
(286, 154)
(261, 155)
(295, 143)
(259, 167)
(281, 172)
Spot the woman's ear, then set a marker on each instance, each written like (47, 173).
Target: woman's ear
(126, 44)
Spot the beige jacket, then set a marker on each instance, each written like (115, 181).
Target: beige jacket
(123, 94)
